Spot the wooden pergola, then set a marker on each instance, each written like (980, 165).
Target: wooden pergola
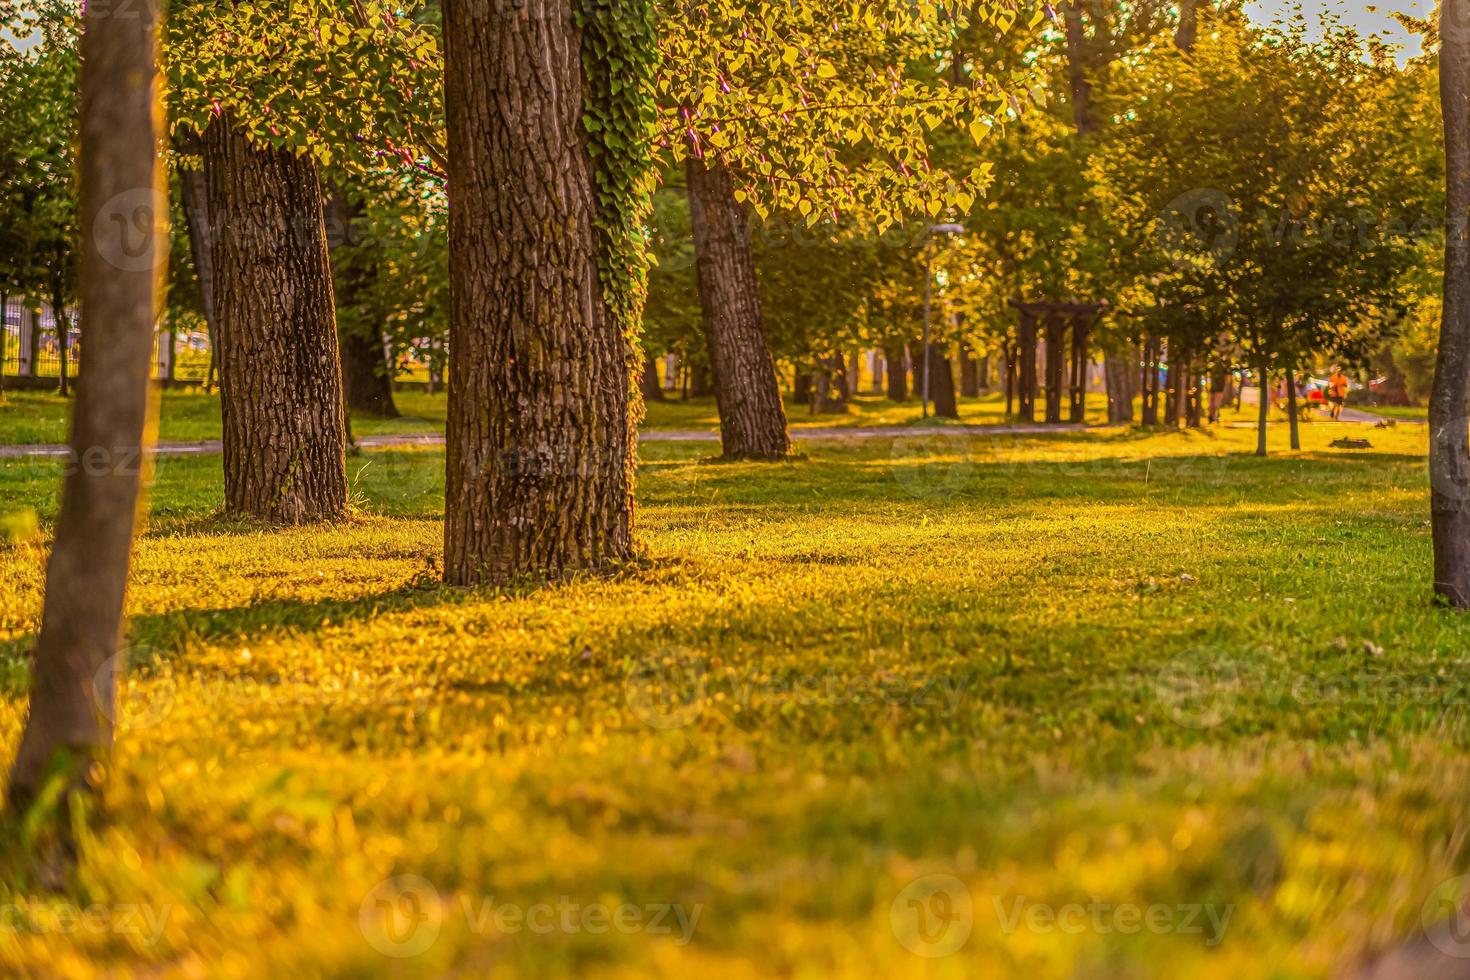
(1052, 320)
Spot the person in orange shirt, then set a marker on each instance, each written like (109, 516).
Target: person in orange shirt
(1337, 390)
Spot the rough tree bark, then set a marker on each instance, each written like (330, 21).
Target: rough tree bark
(1449, 399)
(124, 246)
(752, 418)
(280, 376)
(540, 436)
(367, 381)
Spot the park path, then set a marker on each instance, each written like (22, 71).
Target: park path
(204, 447)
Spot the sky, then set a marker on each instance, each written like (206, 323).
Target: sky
(1368, 16)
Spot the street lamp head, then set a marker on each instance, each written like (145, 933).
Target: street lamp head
(947, 230)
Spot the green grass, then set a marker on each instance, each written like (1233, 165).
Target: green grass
(28, 417)
(31, 417)
(1121, 669)
(1411, 412)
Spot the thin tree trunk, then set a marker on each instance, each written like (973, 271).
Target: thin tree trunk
(280, 375)
(541, 432)
(63, 329)
(1449, 399)
(1291, 408)
(801, 388)
(124, 246)
(1262, 411)
(367, 381)
(194, 195)
(969, 374)
(1117, 379)
(898, 379)
(1188, 29)
(752, 417)
(941, 385)
(651, 384)
(1171, 389)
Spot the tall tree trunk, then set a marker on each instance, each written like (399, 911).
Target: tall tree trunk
(1262, 411)
(941, 384)
(898, 378)
(124, 246)
(752, 417)
(1172, 381)
(1149, 402)
(801, 388)
(367, 381)
(700, 383)
(62, 327)
(1080, 52)
(650, 382)
(280, 376)
(1291, 405)
(969, 373)
(194, 195)
(1449, 399)
(829, 389)
(1188, 29)
(1117, 378)
(541, 451)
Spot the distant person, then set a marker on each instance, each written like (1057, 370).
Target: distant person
(1337, 390)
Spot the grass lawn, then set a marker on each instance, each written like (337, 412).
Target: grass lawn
(1411, 412)
(28, 417)
(1102, 705)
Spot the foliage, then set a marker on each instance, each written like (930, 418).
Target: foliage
(38, 203)
(826, 109)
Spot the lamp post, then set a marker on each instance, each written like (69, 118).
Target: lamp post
(929, 294)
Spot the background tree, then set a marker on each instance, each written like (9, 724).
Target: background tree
(264, 85)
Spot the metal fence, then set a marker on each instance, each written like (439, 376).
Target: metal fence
(30, 346)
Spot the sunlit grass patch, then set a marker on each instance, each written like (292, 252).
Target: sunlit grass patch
(1044, 684)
